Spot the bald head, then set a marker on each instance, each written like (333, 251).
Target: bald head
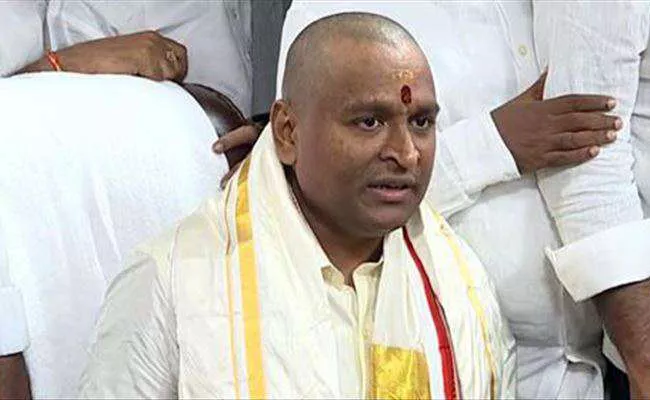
(355, 129)
(308, 56)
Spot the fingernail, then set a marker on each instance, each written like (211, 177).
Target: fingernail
(611, 135)
(618, 124)
(218, 147)
(611, 103)
(593, 151)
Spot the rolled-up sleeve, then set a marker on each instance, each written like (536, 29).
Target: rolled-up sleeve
(470, 155)
(13, 325)
(595, 48)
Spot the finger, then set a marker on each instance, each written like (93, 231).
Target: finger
(577, 140)
(570, 157)
(579, 103)
(180, 59)
(170, 63)
(536, 91)
(152, 70)
(168, 68)
(582, 121)
(246, 134)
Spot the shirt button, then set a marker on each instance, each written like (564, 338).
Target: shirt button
(523, 50)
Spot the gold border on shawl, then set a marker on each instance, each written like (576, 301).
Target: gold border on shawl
(231, 311)
(397, 373)
(248, 277)
(474, 300)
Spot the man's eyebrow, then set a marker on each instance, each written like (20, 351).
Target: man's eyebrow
(387, 107)
(428, 108)
(377, 106)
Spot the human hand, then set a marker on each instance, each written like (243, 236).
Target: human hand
(147, 54)
(640, 386)
(555, 132)
(236, 144)
(14, 379)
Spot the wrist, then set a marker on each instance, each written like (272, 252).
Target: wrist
(14, 379)
(53, 59)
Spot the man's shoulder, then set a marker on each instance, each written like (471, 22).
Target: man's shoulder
(189, 237)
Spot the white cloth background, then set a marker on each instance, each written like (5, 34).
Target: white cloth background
(89, 167)
(21, 33)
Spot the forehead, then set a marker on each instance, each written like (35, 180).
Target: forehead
(370, 69)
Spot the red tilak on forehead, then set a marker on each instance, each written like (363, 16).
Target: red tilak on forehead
(406, 94)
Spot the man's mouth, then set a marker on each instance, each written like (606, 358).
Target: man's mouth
(392, 190)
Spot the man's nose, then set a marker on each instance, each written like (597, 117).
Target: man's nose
(401, 148)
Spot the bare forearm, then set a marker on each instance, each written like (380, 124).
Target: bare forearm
(14, 379)
(37, 66)
(626, 312)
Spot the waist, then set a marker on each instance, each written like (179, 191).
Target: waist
(559, 372)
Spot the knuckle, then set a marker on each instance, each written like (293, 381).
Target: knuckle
(148, 36)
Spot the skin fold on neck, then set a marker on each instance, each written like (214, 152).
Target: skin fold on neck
(345, 251)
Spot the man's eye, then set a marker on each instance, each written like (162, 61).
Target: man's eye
(368, 123)
(422, 123)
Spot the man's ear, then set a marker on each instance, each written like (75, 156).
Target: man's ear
(283, 125)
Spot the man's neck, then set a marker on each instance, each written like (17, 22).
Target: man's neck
(345, 251)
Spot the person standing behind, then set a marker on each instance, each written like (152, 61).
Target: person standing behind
(602, 208)
(215, 34)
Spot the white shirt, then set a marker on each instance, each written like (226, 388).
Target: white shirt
(352, 313)
(21, 30)
(21, 27)
(84, 178)
(598, 207)
(599, 214)
(217, 35)
(482, 55)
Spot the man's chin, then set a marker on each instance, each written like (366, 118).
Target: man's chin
(385, 221)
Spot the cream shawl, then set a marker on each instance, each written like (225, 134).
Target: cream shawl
(252, 320)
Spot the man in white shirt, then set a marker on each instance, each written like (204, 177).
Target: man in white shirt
(482, 56)
(600, 212)
(318, 273)
(216, 34)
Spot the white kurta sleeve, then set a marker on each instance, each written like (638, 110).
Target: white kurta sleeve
(470, 155)
(595, 48)
(134, 353)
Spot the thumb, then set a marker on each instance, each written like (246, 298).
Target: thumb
(536, 91)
